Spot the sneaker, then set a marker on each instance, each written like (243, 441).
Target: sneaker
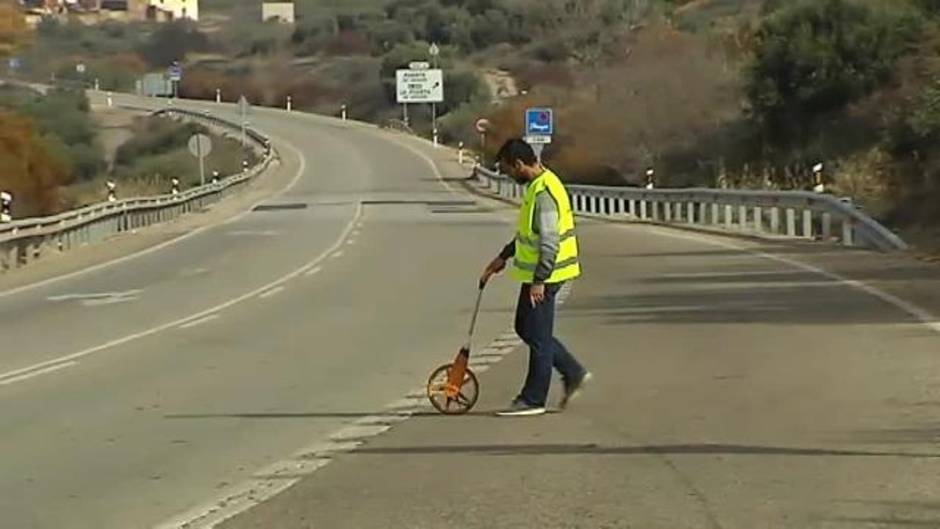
(573, 390)
(519, 408)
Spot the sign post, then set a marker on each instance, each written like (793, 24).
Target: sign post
(419, 84)
(175, 74)
(539, 128)
(243, 108)
(200, 146)
(434, 51)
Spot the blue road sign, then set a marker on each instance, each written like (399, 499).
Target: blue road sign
(15, 63)
(174, 73)
(539, 122)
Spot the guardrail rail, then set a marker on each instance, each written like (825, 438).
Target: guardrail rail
(24, 241)
(786, 214)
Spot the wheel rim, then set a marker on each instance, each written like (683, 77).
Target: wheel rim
(465, 399)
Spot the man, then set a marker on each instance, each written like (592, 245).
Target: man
(545, 256)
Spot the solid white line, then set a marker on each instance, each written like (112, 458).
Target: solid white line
(924, 316)
(193, 317)
(351, 241)
(200, 321)
(337, 255)
(273, 292)
(313, 271)
(107, 264)
(120, 341)
(429, 160)
(40, 372)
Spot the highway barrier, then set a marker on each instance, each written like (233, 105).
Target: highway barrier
(24, 241)
(784, 214)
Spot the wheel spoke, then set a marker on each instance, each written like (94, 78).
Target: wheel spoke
(464, 398)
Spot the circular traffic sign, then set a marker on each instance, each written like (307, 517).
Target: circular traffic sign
(483, 125)
(200, 145)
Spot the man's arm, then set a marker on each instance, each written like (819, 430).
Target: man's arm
(545, 224)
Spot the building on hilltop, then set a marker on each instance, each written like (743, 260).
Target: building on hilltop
(97, 11)
(282, 12)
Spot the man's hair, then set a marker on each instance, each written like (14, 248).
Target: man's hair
(517, 150)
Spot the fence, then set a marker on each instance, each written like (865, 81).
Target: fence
(24, 241)
(786, 214)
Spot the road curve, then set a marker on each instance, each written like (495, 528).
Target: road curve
(125, 390)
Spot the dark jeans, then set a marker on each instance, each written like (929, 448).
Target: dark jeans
(535, 325)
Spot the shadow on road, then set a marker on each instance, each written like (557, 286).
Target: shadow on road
(674, 449)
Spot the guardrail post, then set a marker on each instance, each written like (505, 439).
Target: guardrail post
(758, 219)
(791, 222)
(742, 217)
(668, 211)
(655, 204)
(848, 232)
(632, 205)
(826, 226)
(644, 214)
(715, 221)
(729, 216)
(690, 210)
(808, 223)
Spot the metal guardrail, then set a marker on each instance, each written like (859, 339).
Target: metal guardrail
(786, 214)
(24, 241)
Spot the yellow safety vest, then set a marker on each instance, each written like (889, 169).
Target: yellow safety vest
(567, 266)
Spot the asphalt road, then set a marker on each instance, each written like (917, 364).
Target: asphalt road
(740, 384)
(736, 387)
(123, 388)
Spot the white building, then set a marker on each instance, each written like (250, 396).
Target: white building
(283, 12)
(178, 8)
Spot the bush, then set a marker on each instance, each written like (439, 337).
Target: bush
(154, 136)
(171, 42)
(32, 172)
(816, 56)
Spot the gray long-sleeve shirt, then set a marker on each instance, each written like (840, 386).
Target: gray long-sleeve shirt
(545, 227)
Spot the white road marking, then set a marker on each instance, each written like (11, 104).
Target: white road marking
(95, 296)
(193, 272)
(351, 241)
(431, 162)
(253, 233)
(924, 316)
(182, 321)
(718, 275)
(200, 321)
(313, 271)
(44, 371)
(337, 255)
(273, 292)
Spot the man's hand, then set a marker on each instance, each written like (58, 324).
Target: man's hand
(496, 266)
(537, 293)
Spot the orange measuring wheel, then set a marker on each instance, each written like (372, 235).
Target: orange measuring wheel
(452, 398)
(453, 389)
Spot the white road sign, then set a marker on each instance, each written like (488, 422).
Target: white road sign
(200, 145)
(420, 86)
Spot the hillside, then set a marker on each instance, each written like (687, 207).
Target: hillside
(735, 93)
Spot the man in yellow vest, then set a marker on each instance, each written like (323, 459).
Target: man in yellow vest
(545, 256)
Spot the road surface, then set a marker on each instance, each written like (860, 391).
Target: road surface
(739, 384)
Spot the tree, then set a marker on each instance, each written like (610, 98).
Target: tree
(815, 56)
(171, 42)
(31, 171)
(13, 30)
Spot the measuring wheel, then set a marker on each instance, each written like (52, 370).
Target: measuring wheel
(449, 398)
